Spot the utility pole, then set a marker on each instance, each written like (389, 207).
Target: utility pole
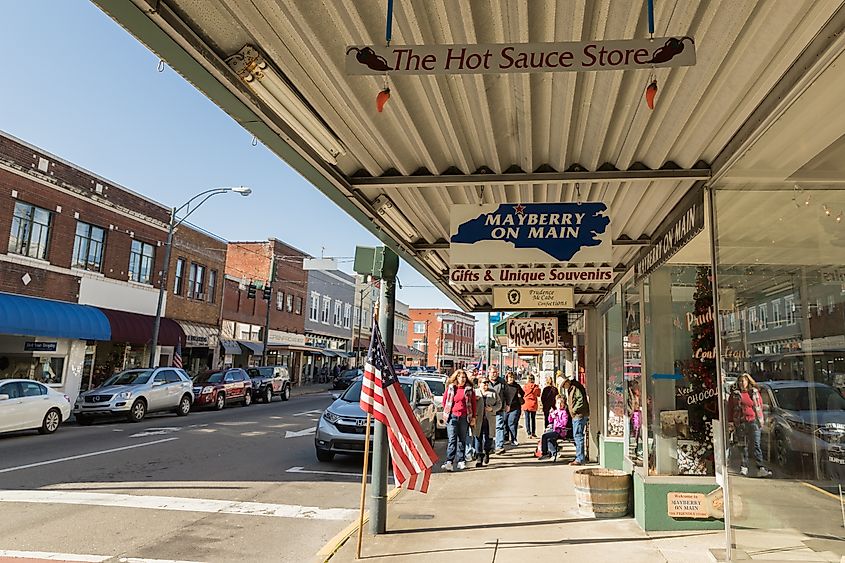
(360, 320)
(425, 341)
(489, 342)
(269, 301)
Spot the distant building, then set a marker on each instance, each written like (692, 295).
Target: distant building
(445, 336)
(328, 326)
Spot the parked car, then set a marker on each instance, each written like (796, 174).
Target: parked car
(134, 393)
(437, 384)
(222, 387)
(343, 425)
(269, 381)
(345, 378)
(27, 405)
(792, 428)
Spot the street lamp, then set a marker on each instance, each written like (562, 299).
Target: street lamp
(243, 190)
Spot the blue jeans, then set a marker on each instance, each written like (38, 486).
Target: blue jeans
(511, 424)
(578, 427)
(456, 430)
(531, 422)
(484, 443)
(500, 430)
(751, 432)
(470, 444)
(549, 442)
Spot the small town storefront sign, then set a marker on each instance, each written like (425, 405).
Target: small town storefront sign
(527, 298)
(539, 233)
(581, 56)
(533, 333)
(530, 276)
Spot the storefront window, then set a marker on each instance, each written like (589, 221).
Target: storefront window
(783, 368)
(632, 373)
(46, 369)
(614, 370)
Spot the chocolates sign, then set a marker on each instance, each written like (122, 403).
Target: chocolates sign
(533, 333)
(581, 56)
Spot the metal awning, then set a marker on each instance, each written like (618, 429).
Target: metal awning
(199, 335)
(252, 348)
(31, 316)
(230, 347)
(444, 140)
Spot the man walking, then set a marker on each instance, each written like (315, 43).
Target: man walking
(497, 384)
(579, 410)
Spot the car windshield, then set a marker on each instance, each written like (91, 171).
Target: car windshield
(437, 387)
(211, 377)
(353, 393)
(798, 398)
(254, 372)
(349, 374)
(131, 377)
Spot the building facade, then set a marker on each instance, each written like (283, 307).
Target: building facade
(277, 267)
(445, 336)
(94, 249)
(366, 298)
(328, 326)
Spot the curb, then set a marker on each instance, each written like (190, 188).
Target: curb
(333, 545)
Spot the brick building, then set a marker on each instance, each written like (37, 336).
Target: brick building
(243, 319)
(77, 238)
(445, 336)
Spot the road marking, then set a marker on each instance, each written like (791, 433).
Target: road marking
(181, 504)
(340, 473)
(52, 556)
(206, 430)
(156, 432)
(308, 412)
(81, 456)
(237, 423)
(300, 433)
(253, 433)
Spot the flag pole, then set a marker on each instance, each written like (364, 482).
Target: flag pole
(366, 465)
(363, 487)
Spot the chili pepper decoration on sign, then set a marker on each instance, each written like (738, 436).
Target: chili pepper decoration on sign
(672, 47)
(381, 99)
(650, 92)
(368, 57)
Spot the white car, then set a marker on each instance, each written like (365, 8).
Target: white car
(437, 384)
(26, 405)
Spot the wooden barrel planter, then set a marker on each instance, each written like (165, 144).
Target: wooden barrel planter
(602, 493)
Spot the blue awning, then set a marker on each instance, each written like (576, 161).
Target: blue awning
(230, 347)
(252, 348)
(32, 316)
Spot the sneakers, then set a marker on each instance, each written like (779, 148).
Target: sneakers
(480, 462)
(554, 457)
(461, 466)
(514, 443)
(763, 472)
(487, 458)
(500, 451)
(575, 462)
(743, 471)
(447, 466)
(544, 457)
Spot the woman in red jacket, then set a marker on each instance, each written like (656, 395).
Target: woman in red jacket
(532, 393)
(459, 409)
(745, 408)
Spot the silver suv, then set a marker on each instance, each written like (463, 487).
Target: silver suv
(135, 392)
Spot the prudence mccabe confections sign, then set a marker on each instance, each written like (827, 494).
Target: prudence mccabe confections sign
(538, 332)
(579, 56)
(527, 298)
(540, 233)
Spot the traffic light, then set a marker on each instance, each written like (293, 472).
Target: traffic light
(250, 291)
(268, 293)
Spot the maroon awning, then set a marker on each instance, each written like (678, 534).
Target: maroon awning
(133, 328)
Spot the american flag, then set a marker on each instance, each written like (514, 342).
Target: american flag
(177, 356)
(382, 396)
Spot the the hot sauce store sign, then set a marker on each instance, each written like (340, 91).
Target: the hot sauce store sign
(533, 333)
(521, 57)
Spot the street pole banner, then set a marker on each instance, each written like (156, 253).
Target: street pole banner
(530, 276)
(527, 298)
(539, 233)
(577, 56)
(533, 333)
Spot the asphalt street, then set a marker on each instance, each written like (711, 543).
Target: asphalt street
(212, 486)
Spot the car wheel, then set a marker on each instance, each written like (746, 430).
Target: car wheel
(286, 393)
(83, 420)
(247, 398)
(138, 411)
(51, 422)
(184, 406)
(268, 395)
(324, 455)
(220, 403)
(783, 456)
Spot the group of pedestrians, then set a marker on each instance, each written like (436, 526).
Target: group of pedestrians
(483, 412)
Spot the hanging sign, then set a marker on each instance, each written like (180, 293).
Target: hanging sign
(578, 56)
(40, 346)
(527, 298)
(672, 237)
(533, 333)
(540, 233)
(530, 276)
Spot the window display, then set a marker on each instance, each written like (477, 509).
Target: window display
(614, 370)
(46, 369)
(632, 374)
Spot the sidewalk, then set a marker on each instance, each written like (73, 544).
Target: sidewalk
(515, 510)
(309, 389)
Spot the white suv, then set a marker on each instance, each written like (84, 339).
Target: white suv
(135, 392)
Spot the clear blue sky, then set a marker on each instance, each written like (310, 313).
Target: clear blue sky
(81, 87)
